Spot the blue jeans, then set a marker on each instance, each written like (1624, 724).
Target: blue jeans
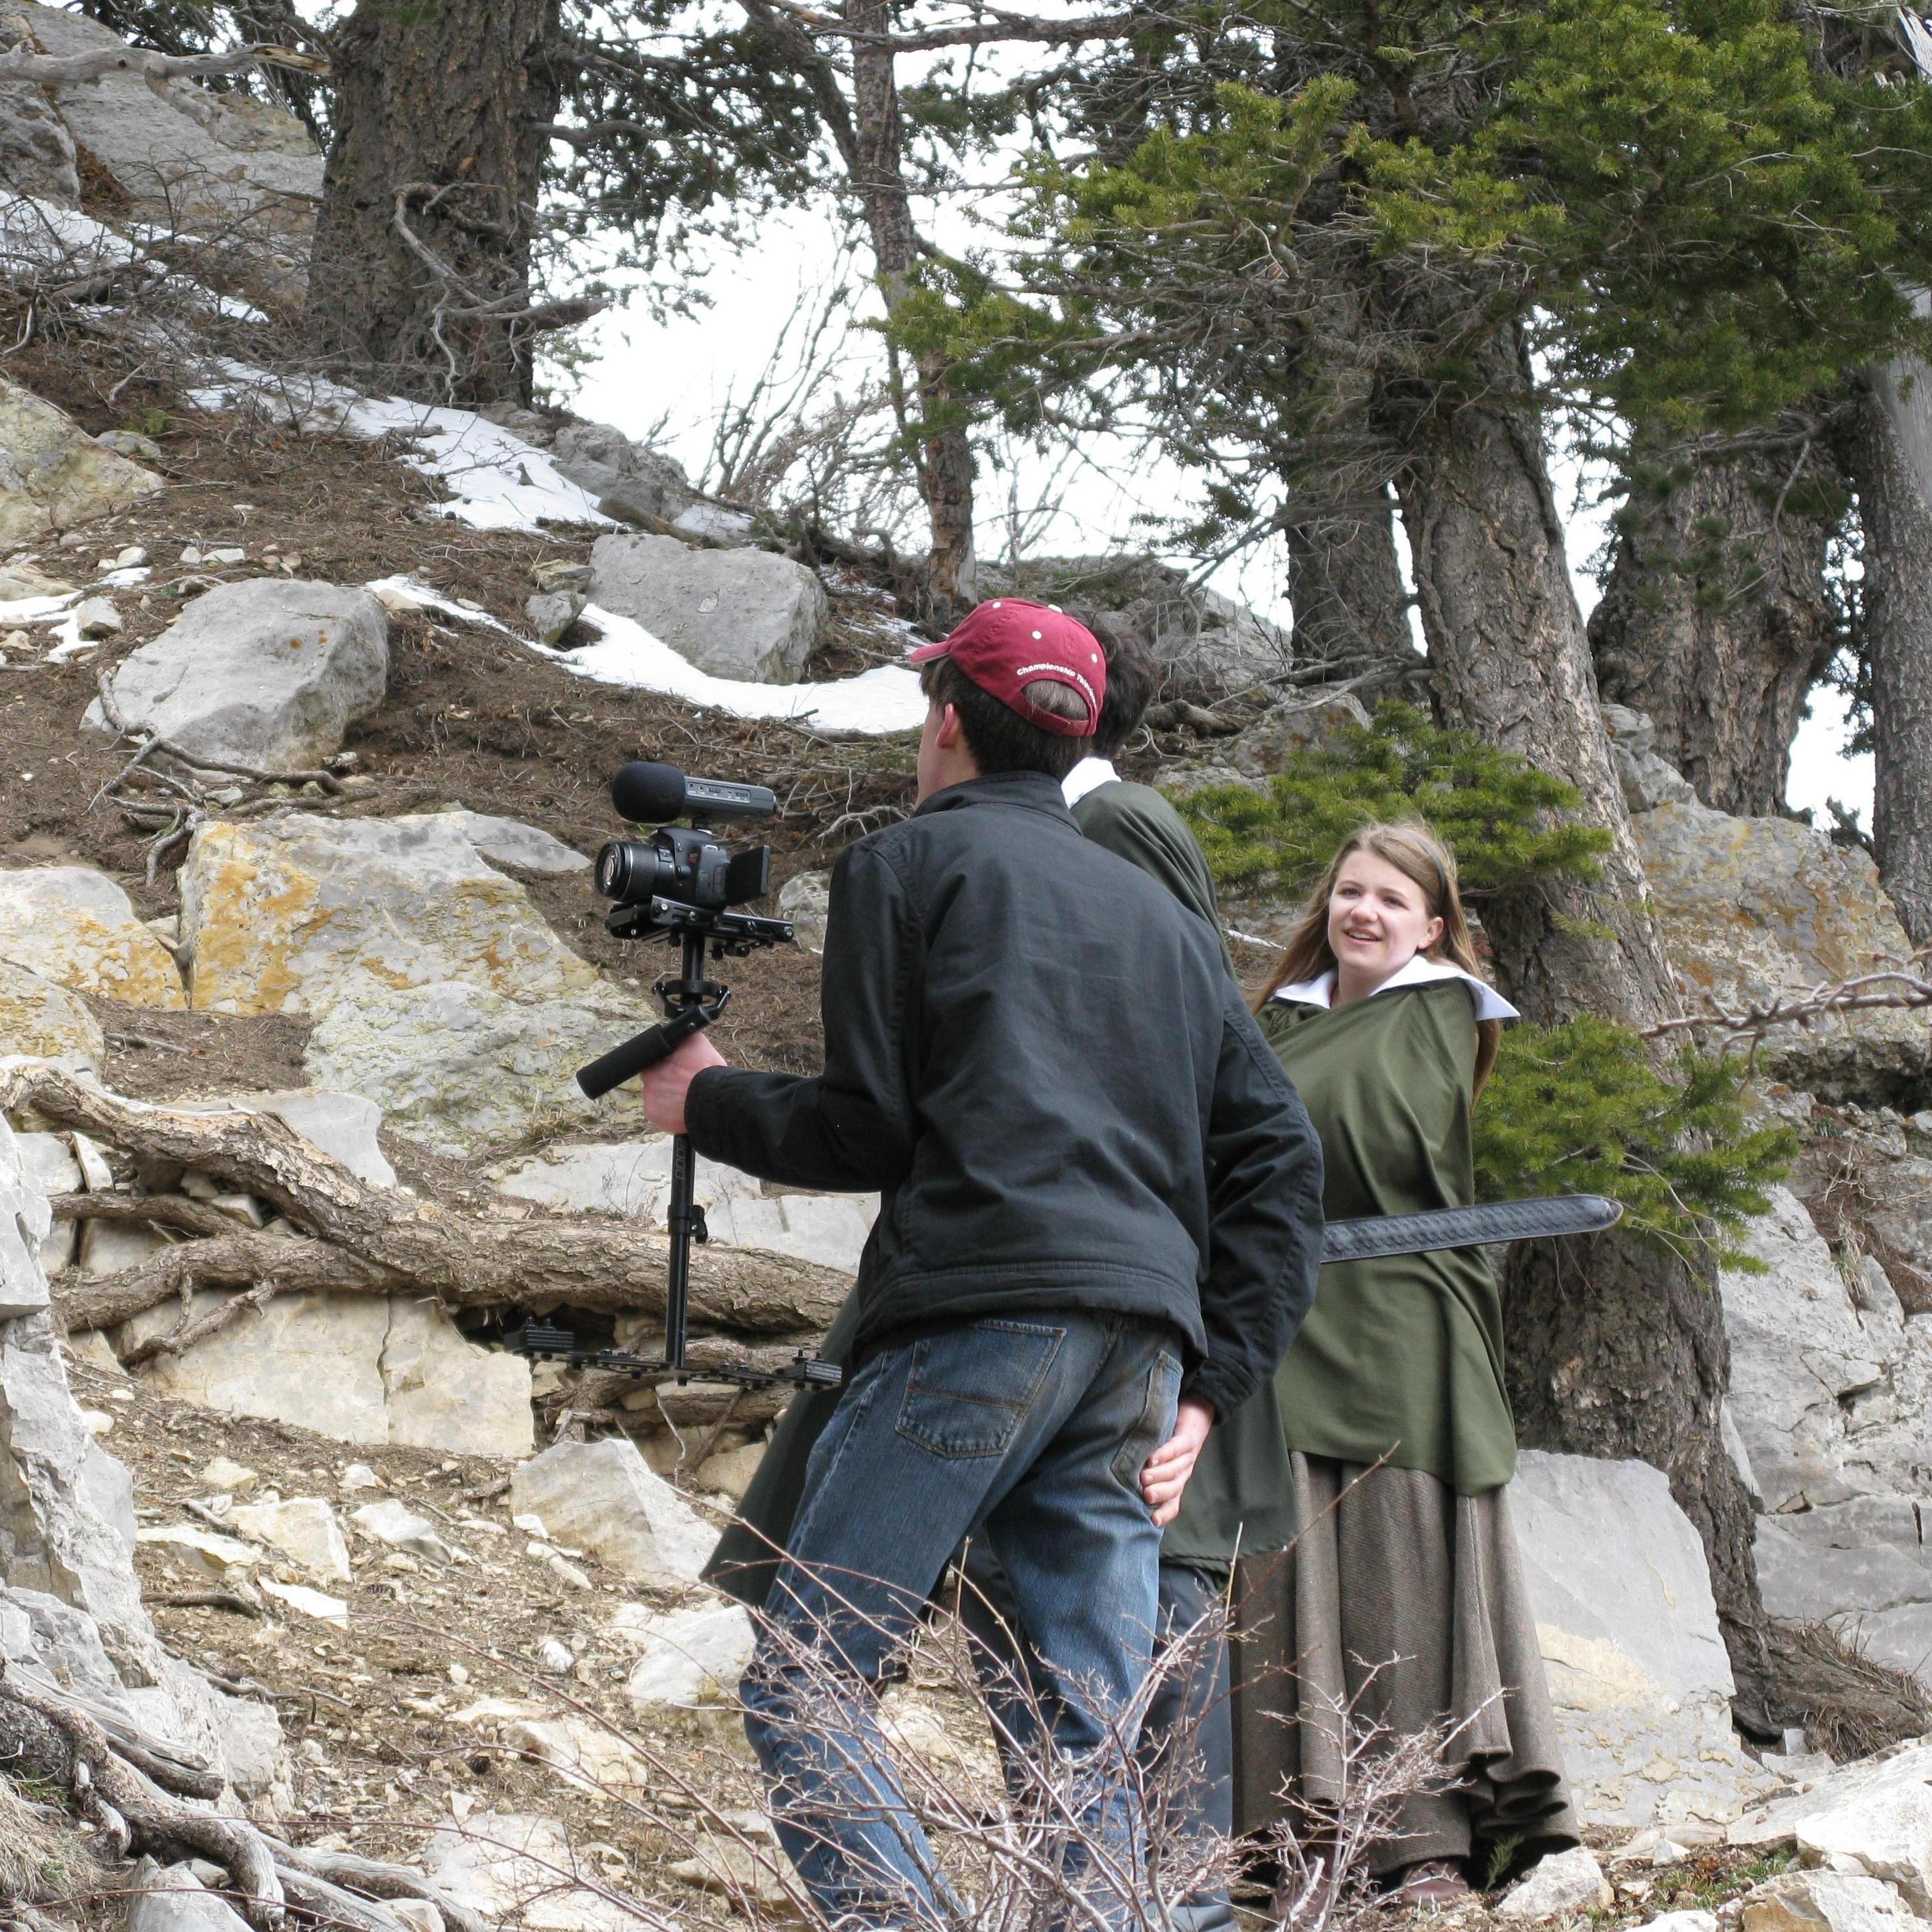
(1029, 1431)
(1188, 1711)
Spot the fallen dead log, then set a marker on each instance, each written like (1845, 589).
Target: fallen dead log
(372, 1879)
(370, 1239)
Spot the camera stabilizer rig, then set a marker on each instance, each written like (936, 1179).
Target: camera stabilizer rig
(682, 883)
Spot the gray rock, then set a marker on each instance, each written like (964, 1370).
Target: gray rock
(251, 1745)
(76, 926)
(462, 1068)
(171, 1899)
(745, 614)
(1647, 780)
(1558, 1886)
(303, 1529)
(605, 1497)
(804, 898)
(361, 1368)
(688, 1657)
(1752, 909)
(1872, 1782)
(1802, 1580)
(269, 673)
(42, 1021)
(401, 1528)
(1885, 1834)
(511, 1865)
(24, 1224)
(1312, 720)
(96, 617)
(53, 475)
(1822, 1901)
(184, 154)
(632, 1178)
(131, 444)
(552, 613)
(597, 458)
(49, 1164)
(1638, 1671)
(343, 1125)
(37, 153)
(507, 842)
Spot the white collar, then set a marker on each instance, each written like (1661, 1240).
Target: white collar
(1089, 774)
(1490, 1004)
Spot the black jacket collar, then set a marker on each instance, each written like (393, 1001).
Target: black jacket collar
(1032, 789)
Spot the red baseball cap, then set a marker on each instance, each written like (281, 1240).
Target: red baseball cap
(1008, 643)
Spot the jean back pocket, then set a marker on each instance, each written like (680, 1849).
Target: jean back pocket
(968, 1389)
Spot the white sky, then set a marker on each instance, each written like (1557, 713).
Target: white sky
(680, 372)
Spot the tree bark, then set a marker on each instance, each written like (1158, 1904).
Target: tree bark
(420, 280)
(876, 162)
(377, 1239)
(1890, 453)
(1614, 1348)
(1715, 621)
(1345, 587)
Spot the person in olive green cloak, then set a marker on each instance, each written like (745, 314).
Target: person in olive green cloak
(1363, 1500)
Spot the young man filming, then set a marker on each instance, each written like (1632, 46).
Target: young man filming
(1094, 1180)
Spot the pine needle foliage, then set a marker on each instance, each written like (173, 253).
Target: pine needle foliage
(1582, 1108)
(1501, 817)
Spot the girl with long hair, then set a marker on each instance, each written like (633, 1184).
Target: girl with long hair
(1363, 1499)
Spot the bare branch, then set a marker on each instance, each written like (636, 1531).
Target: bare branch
(156, 69)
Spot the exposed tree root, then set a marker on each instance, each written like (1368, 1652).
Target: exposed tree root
(371, 1240)
(1850, 1704)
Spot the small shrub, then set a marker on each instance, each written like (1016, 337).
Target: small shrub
(1581, 1108)
(1499, 814)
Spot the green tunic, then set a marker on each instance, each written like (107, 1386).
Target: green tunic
(1136, 824)
(1133, 821)
(1400, 1358)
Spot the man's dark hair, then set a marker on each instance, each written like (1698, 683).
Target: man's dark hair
(1132, 678)
(1002, 740)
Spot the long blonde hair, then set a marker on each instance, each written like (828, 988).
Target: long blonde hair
(1412, 848)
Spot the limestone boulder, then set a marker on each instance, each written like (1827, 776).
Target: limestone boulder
(461, 1067)
(53, 475)
(37, 153)
(1647, 780)
(1871, 1783)
(805, 899)
(267, 673)
(359, 1368)
(26, 1223)
(632, 1179)
(41, 1020)
(1638, 1671)
(1558, 1886)
(1822, 1901)
(1752, 909)
(75, 926)
(291, 912)
(526, 1869)
(303, 1529)
(632, 482)
(344, 1126)
(183, 154)
(745, 614)
(170, 1898)
(1886, 1834)
(604, 1497)
(528, 848)
(687, 1658)
(400, 1527)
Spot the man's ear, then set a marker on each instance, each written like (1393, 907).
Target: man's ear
(951, 733)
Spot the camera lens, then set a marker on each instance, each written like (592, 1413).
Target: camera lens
(627, 870)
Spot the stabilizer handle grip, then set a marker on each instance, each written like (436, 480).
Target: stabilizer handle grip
(643, 1050)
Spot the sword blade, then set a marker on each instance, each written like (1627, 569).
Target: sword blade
(1481, 1226)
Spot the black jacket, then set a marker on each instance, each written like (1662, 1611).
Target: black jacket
(1038, 1059)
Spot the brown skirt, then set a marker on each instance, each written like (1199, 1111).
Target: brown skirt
(1402, 1602)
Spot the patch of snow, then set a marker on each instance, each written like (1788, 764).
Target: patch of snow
(36, 234)
(501, 482)
(121, 579)
(421, 594)
(36, 610)
(887, 698)
(68, 643)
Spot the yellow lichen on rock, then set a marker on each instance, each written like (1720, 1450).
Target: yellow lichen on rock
(46, 1021)
(75, 926)
(53, 475)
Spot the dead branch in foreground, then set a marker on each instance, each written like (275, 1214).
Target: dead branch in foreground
(371, 1240)
(1901, 989)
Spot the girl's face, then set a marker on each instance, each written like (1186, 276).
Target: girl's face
(1378, 919)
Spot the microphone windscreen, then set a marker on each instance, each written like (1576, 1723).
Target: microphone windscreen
(648, 794)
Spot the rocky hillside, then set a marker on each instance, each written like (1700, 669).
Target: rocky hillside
(310, 700)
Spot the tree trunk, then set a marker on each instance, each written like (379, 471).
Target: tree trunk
(876, 163)
(1345, 587)
(1615, 1348)
(1891, 457)
(420, 278)
(1715, 621)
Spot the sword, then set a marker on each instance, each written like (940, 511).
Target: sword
(1482, 1226)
